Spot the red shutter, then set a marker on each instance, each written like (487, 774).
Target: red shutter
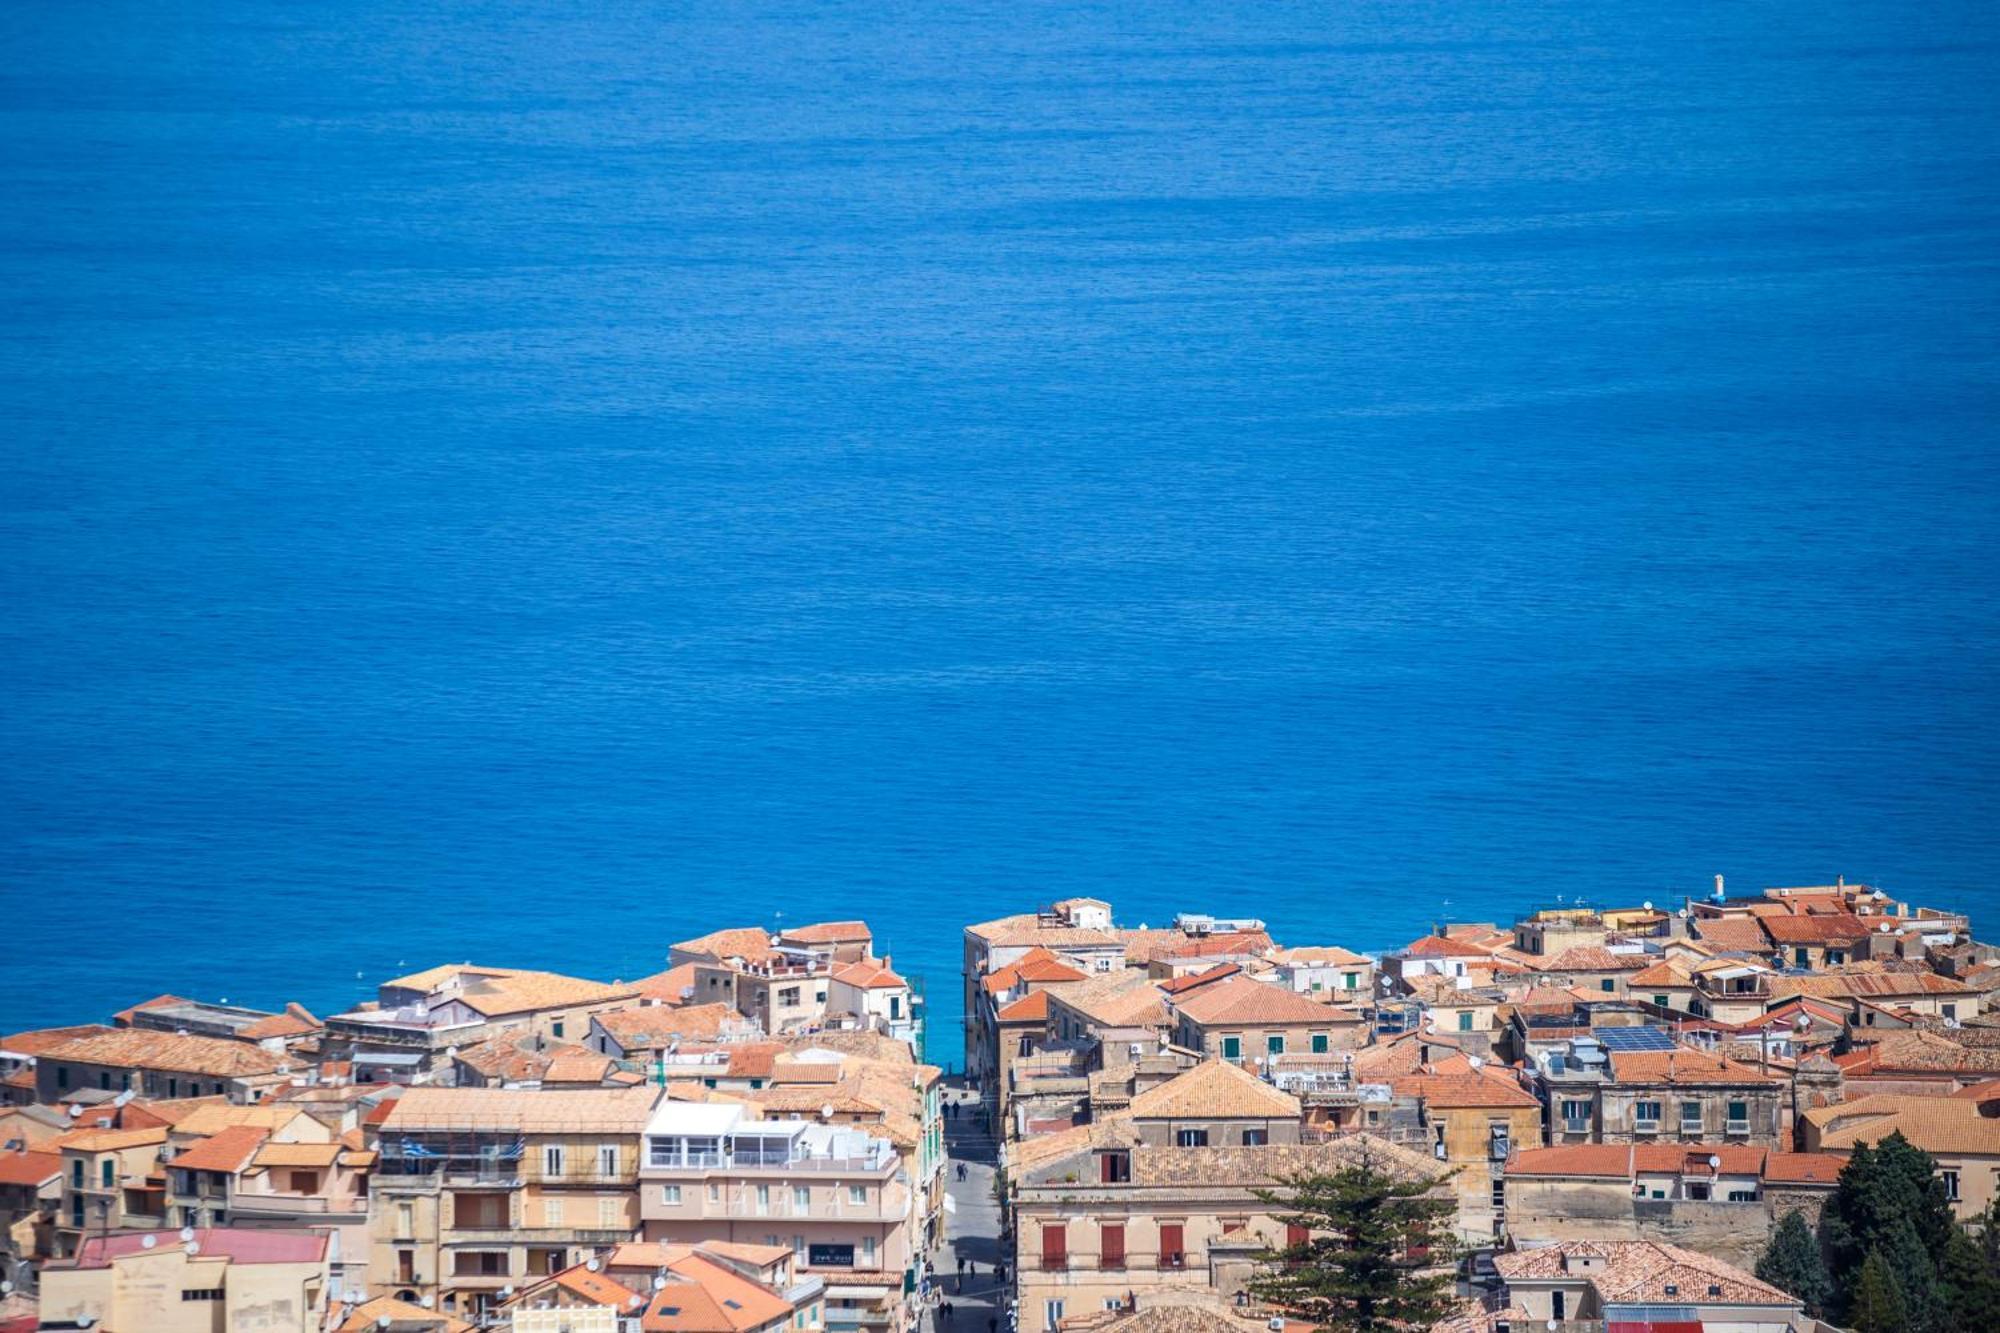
(1296, 1235)
(1171, 1254)
(1111, 1246)
(1055, 1248)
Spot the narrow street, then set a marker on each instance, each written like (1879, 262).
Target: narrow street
(977, 1300)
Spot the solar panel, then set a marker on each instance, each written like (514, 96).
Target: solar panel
(1635, 1039)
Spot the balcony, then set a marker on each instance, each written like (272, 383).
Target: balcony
(1736, 1127)
(286, 1205)
(1576, 1126)
(1645, 1127)
(537, 1235)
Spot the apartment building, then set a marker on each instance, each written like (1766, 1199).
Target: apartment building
(1474, 1115)
(172, 1282)
(1104, 1220)
(802, 979)
(1240, 1018)
(477, 1189)
(419, 1021)
(158, 1065)
(1595, 1095)
(111, 1181)
(1326, 972)
(1722, 1199)
(1961, 1132)
(1590, 1286)
(839, 1197)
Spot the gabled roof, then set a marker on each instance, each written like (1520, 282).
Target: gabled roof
(366, 1317)
(1645, 1272)
(1181, 985)
(1733, 934)
(1443, 946)
(1831, 928)
(673, 985)
(1246, 1000)
(1118, 1000)
(1935, 1124)
(1593, 958)
(42, 1039)
(32, 1168)
(1483, 1088)
(871, 974)
(1214, 1089)
(168, 1052)
(110, 1140)
(528, 992)
(829, 932)
(1033, 1008)
(1625, 1161)
(228, 1151)
(653, 1026)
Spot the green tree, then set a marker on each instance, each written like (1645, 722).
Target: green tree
(1890, 1201)
(1877, 1304)
(1971, 1275)
(1371, 1237)
(1792, 1262)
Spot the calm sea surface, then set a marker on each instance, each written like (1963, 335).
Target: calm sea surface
(533, 482)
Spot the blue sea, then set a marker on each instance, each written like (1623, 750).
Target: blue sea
(532, 482)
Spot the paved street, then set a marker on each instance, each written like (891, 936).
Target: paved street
(977, 1301)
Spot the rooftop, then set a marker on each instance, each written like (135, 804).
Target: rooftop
(169, 1052)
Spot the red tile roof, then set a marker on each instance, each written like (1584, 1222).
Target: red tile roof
(226, 1150)
(1028, 1009)
(31, 1168)
(1438, 946)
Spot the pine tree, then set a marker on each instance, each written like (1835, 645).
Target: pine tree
(1877, 1306)
(1792, 1262)
(1891, 1201)
(1971, 1275)
(1362, 1268)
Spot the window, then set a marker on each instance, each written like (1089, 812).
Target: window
(304, 1182)
(1173, 1253)
(1690, 1115)
(1661, 1001)
(1275, 1043)
(552, 1212)
(670, 1194)
(610, 1213)
(76, 1174)
(763, 1200)
(857, 1194)
(1256, 1138)
(1558, 1307)
(607, 1159)
(1055, 1247)
(1739, 1113)
(107, 1172)
(1319, 1043)
(1027, 1045)
(1607, 985)
(802, 1199)
(1950, 1011)
(104, 1082)
(201, 1293)
(1190, 1138)
(1114, 1168)
(1111, 1246)
(1350, 980)
(62, 1076)
(1052, 1313)
(1950, 1184)
(1465, 1020)
(714, 1192)
(556, 1028)
(552, 1160)
(1646, 1113)
(798, 1249)
(789, 996)
(406, 1220)
(1232, 1048)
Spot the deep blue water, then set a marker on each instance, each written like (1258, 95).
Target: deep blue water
(532, 482)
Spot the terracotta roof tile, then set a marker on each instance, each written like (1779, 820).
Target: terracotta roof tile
(1245, 1000)
(31, 1168)
(1214, 1088)
(830, 932)
(1032, 1008)
(136, 1048)
(228, 1150)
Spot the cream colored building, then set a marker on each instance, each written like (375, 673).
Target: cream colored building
(478, 1189)
(1583, 1284)
(1965, 1142)
(220, 1281)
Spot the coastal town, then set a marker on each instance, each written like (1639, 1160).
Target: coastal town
(1644, 1117)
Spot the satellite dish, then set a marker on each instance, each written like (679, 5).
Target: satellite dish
(187, 1233)
(1474, 1061)
(1648, 904)
(75, 1110)
(506, 1291)
(381, 1321)
(1883, 928)
(425, 1302)
(192, 1247)
(659, 1281)
(592, 1265)
(1714, 1163)
(148, 1242)
(826, 1112)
